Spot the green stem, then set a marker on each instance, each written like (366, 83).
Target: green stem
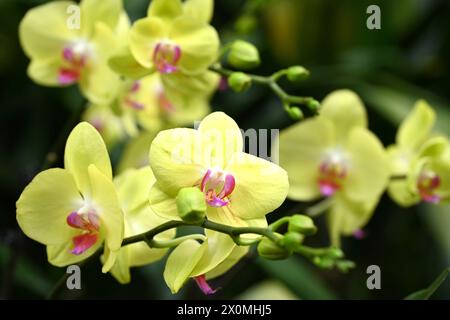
(277, 224)
(271, 82)
(320, 207)
(153, 232)
(153, 243)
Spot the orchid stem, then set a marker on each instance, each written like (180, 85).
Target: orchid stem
(272, 82)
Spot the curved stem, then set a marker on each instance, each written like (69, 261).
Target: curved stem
(277, 224)
(174, 242)
(320, 207)
(271, 82)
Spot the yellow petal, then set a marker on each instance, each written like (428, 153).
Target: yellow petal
(233, 258)
(44, 205)
(369, 170)
(225, 215)
(106, 203)
(144, 35)
(121, 268)
(181, 262)
(133, 187)
(415, 129)
(178, 158)
(346, 216)
(167, 9)
(42, 37)
(199, 10)
(45, 71)
(99, 83)
(109, 259)
(261, 186)
(301, 150)
(93, 11)
(125, 64)
(400, 192)
(224, 135)
(218, 249)
(199, 44)
(84, 147)
(345, 110)
(162, 204)
(400, 160)
(60, 255)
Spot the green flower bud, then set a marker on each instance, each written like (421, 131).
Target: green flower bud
(335, 253)
(296, 73)
(302, 224)
(239, 81)
(246, 24)
(291, 240)
(269, 250)
(191, 205)
(345, 265)
(324, 262)
(295, 113)
(313, 105)
(243, 55)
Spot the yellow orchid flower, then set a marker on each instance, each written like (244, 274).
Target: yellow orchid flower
(335, 155)
(175, 36)
(70, 43)
(239, 188)
(202, 262)
(420, 159)
(133, 187)
(76, 209)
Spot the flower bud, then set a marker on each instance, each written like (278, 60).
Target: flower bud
(291, 240)
(246, 24)
(302, 224)
(335, 253)
(324, 262)
(239, 81)
(243, 55)
(313, 105)
(295, 113)
(191, 205)
(270, 250)
(296, 73)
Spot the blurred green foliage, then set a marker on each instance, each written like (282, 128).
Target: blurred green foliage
(390, 68)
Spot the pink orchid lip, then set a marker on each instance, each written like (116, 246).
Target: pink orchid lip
(217, 180)
(89, 224)
(204, 286)
(166, 57)
(427, 185)
(331, 176)
(74, 64)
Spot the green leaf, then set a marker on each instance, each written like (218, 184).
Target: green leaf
(426, 293)
(298, 277)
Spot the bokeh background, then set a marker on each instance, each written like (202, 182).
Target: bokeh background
(390, 68)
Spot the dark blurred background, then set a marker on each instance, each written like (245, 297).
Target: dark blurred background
(407, 59)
